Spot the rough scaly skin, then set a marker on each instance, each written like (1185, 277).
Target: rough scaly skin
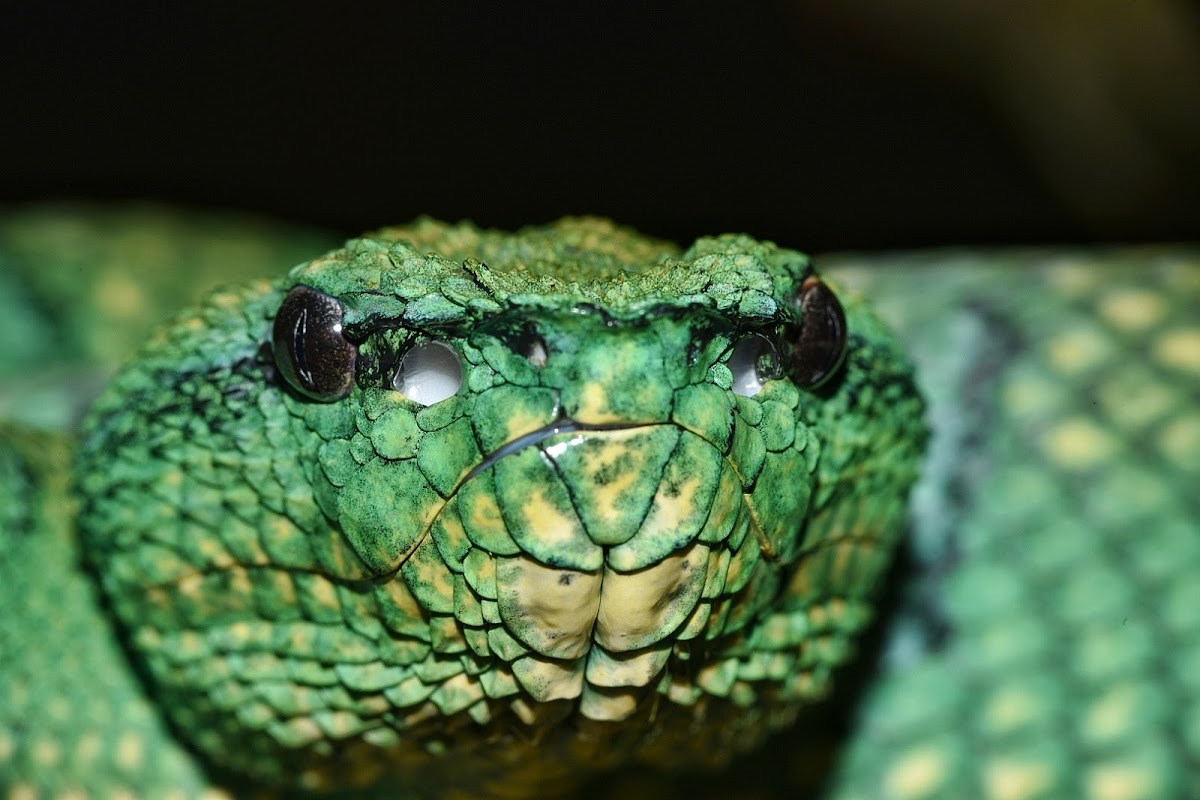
(240, 555)
(1051, 648)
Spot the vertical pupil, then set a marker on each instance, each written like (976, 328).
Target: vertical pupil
(310, 351)
(821, 340)
(298, 334)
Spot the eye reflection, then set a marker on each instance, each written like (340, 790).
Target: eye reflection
(753, 362)
(429, 373)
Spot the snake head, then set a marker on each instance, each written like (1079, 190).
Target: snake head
(568, 479)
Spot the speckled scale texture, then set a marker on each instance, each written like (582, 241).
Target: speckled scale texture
(1057, 528)
(80, 289)
(594, 555)
(74, 715)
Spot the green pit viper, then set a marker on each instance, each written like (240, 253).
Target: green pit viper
(455, 513)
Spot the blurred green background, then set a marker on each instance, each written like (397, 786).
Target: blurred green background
(858, 123)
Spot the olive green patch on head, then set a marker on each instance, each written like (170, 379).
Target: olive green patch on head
(385, 508)
(505, 413)
(679, 509)
(446, 455)
(538, 512)
(612, 476)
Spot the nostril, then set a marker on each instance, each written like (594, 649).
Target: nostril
(533, 348)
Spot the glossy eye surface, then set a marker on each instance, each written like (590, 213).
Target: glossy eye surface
(818, 345)
(310, 350)
(429, 372)
(753, 362)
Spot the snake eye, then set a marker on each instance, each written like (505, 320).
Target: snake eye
(753, 362)
(819, 342)
(310, 350)
(429, 372)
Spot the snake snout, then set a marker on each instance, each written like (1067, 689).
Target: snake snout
(588, 539)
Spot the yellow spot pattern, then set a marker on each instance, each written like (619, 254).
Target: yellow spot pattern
(1078, 443)
(1078, 350)
(594, 406)
(1111, 716)
(1072, 276)
(1180, 350)
(130, 751)
(119, 295)
(1179, 441)
(551, 525)
(1006, 779)
(918, 773)
(46, 753)
(1010, 708)
(1028, 395)
(1131, 309)
(1121, 782)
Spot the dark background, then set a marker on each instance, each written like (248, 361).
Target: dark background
(861, 123)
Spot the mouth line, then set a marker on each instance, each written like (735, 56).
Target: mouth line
(556, 428)
(531, 439)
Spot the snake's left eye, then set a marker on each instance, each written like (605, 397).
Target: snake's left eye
(310, 350)
(818, 343)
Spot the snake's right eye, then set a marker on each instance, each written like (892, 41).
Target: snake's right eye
(311, 352)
